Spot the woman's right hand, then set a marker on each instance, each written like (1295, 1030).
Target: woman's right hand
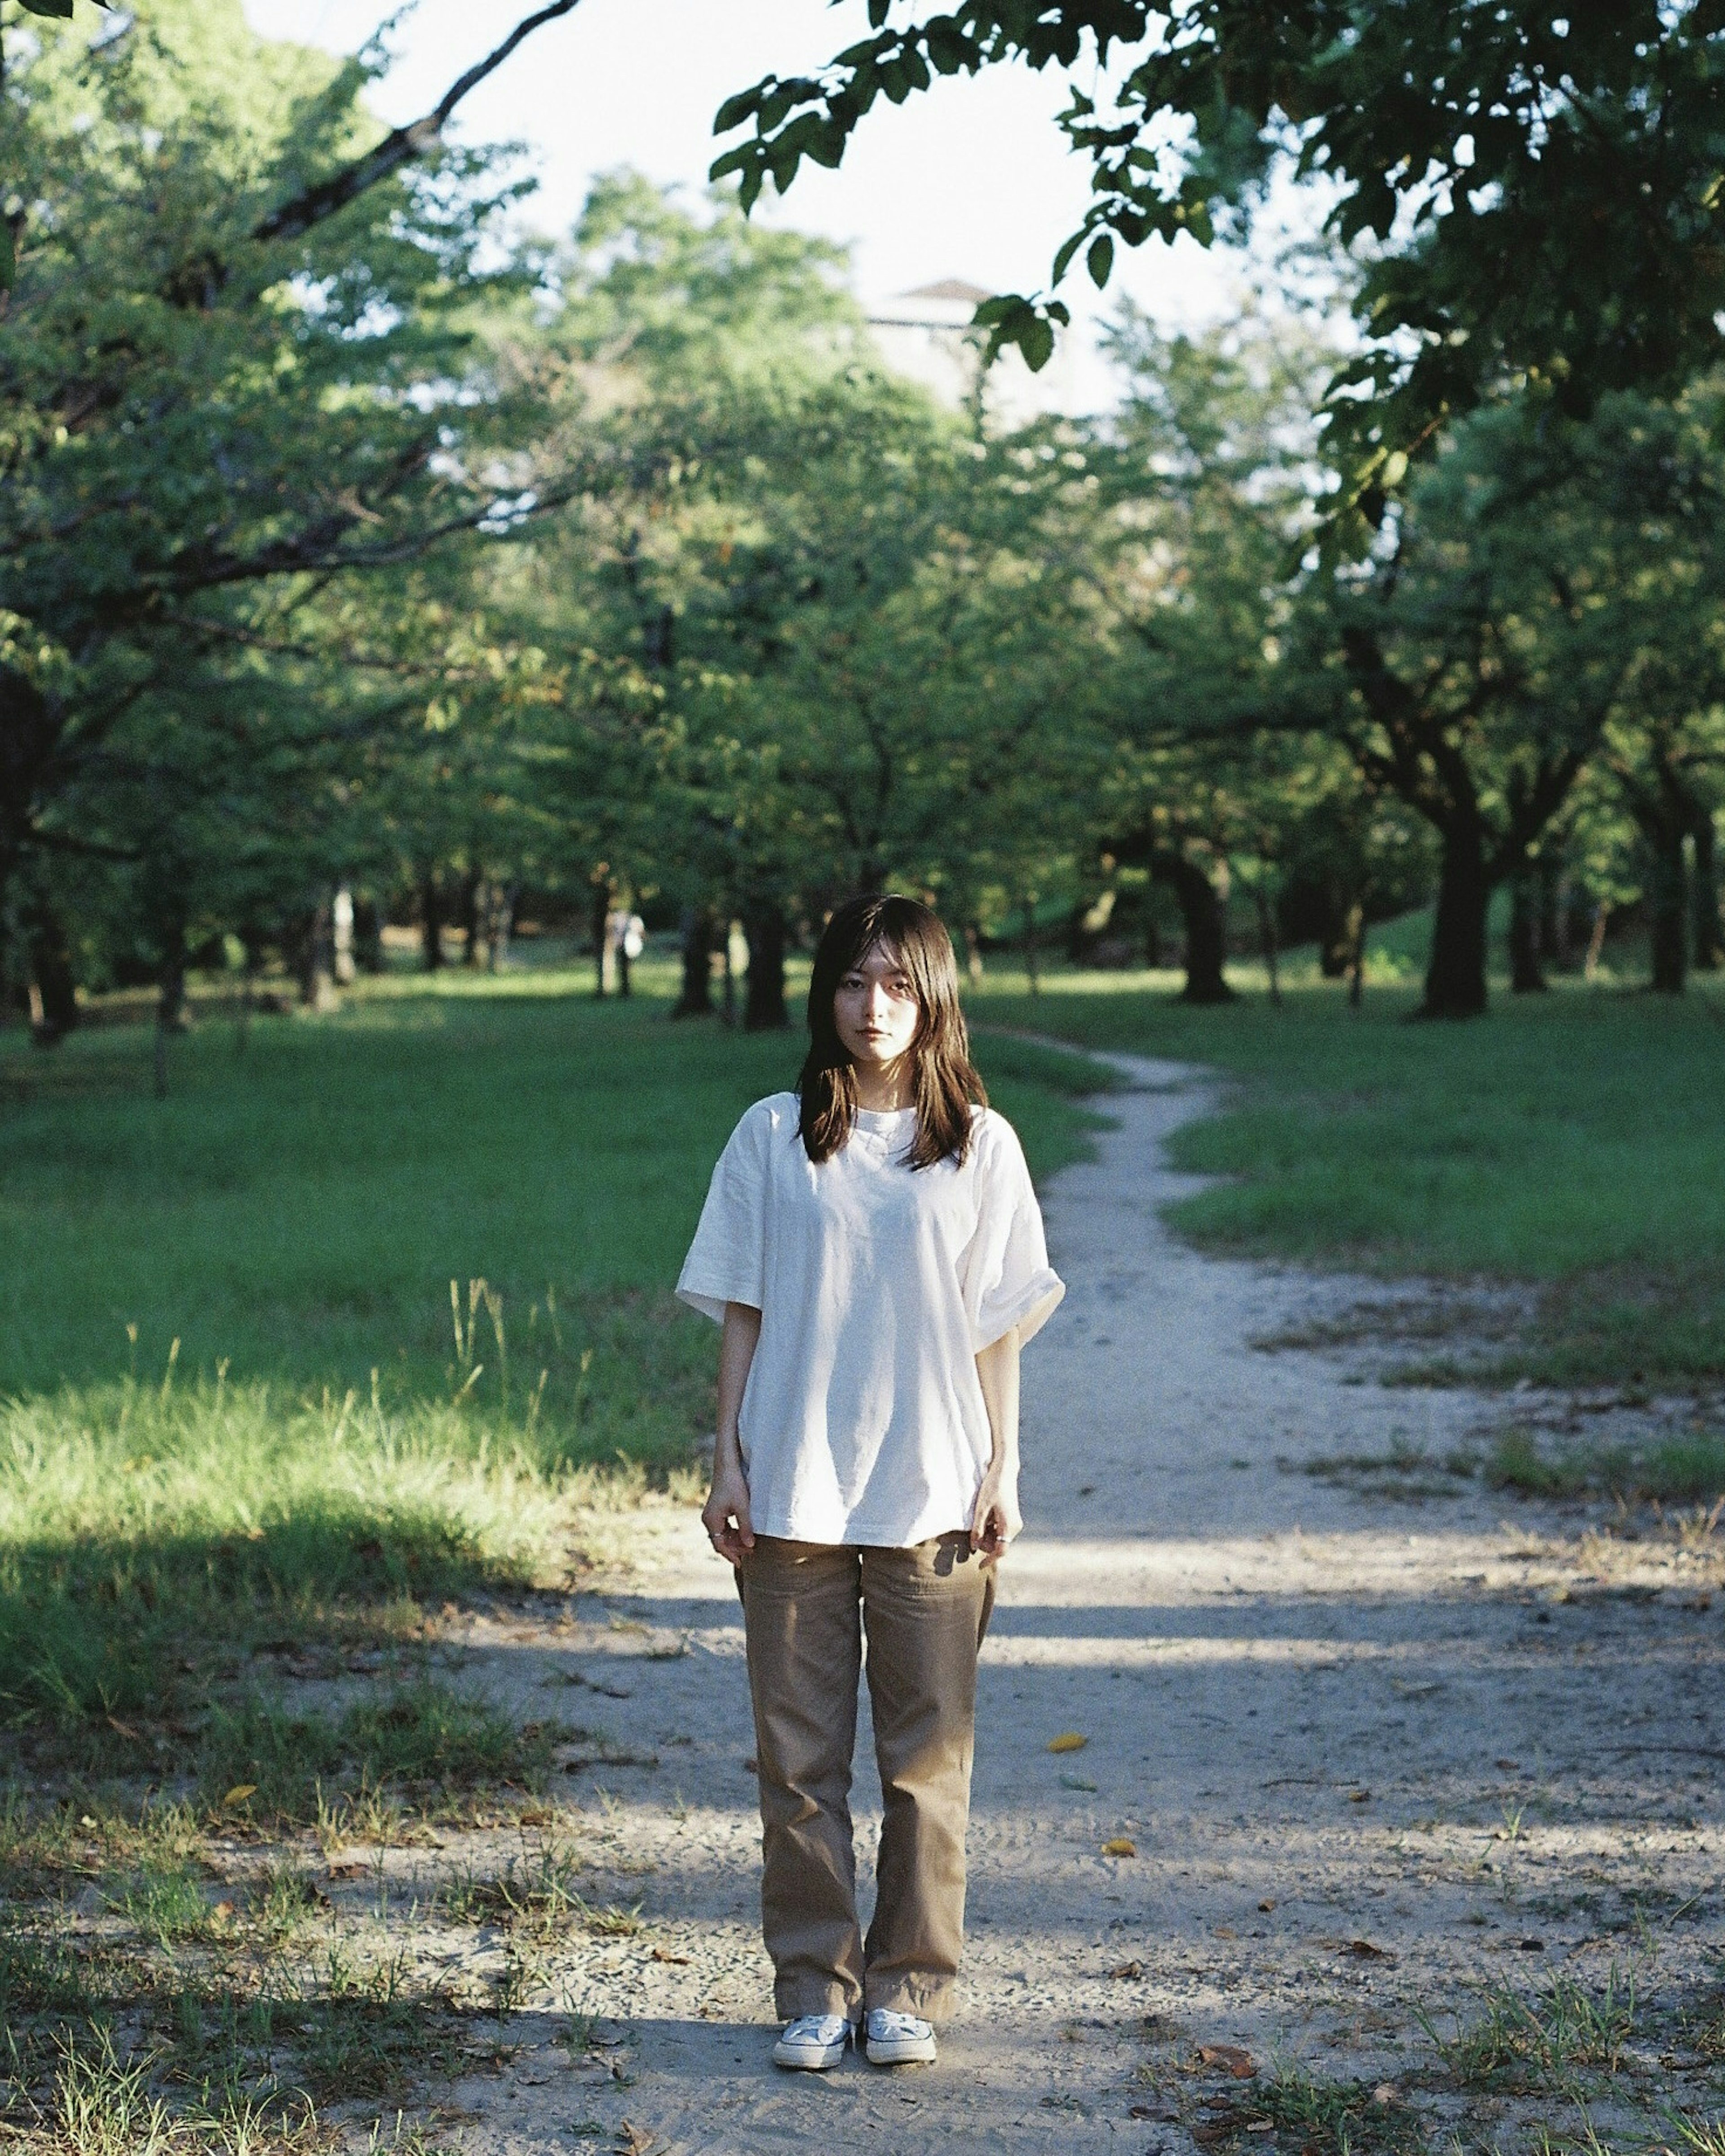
(725, 1514)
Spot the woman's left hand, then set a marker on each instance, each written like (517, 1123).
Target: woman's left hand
(997, 1519)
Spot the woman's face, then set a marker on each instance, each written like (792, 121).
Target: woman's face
(875, 1009)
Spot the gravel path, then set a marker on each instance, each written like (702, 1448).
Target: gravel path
(1368, 1751)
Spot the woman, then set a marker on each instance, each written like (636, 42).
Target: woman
(873, 1249)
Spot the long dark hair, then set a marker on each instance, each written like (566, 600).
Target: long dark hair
(943, 1078)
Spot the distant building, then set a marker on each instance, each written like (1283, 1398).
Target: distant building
(926, 336)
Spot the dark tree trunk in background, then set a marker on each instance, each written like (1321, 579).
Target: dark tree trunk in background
(1668, 904)
(54, 1001)
(1356, 956)
(499, 922)
(1708, 947)
(1455, 972)
(431, 920)
(763, 1009)
(1201, 910)
(311, 953)
(467, 914)
(1032, 971)
(973, 953)
(1527, 975)
(598, 920)
(368, 936)
(697, 999)
(1153, 937)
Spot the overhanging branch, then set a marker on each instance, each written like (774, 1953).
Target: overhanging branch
(403, 146)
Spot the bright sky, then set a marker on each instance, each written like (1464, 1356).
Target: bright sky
(970, 180)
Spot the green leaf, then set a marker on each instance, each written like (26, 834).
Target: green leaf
(1035, 340)
(1100, 260)
(736, 110)
(60, 8)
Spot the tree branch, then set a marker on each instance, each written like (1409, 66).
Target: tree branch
(401, 147)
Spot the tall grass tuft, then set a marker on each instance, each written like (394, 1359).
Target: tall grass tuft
(138, 1522)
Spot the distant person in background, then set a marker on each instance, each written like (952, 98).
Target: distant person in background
(873, 1249)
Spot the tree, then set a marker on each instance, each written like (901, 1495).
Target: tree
(1539, 572)
(1535, 191)
(238, 361)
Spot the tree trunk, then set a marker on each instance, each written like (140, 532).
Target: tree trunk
(315, 959)
(53, 1003)
(1356, 956)
(431, 919)
(1455, 972)
(499, 922)
(697, 999)
(598, 928)
(467, 913)
(1668, 903)
(1032, 973)
(1527, 976)
(728, 1010)
(1708, 947)
(763, 1009)
(1596, 942)
(973, 953)
(368, 936)
(1200, 907)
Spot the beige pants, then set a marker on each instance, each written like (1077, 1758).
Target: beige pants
(807, 1607)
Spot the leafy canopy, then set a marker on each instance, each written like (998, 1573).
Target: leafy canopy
(1536, 192)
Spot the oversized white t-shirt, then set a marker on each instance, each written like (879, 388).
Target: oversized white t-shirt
(863, 1419)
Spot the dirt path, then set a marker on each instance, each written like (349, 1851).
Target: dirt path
(1370, 1753)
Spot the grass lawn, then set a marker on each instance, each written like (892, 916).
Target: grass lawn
(1572, 1141)
(239, 1397)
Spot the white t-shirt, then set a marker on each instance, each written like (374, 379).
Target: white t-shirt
(863, 1420)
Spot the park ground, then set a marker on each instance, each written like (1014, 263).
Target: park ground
(376, 1763)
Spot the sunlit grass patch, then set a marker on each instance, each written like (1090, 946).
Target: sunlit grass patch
(1677, 1468)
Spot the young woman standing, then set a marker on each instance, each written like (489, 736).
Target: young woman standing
(873, 1249)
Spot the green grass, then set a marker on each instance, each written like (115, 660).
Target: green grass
(237, 1400)
(299, 1212)
(1570, 1141)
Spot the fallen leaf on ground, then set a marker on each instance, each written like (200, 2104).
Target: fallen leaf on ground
(663, 1953)
(1261, 2126)
(240, 1791)
(1230, 2058)
(350, 1870)
(1359, 1796)
(1363, 1950)
(635, 2140)
(1128, 1968)
(1386, 2092)
(1267, 1906)
(1069, 1740)
(1216, 2129)
(222, 1913)
(1120, 1846)
(1226, 1932)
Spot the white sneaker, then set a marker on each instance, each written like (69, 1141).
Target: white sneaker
(899, 2039)
(813, 2042)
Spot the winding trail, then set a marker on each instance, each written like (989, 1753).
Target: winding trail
(1369, 1750)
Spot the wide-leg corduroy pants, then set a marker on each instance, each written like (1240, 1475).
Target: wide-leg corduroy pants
(808, 1608)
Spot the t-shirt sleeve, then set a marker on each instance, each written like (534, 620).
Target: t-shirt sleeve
(1007, 1280)
(726, 1261)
